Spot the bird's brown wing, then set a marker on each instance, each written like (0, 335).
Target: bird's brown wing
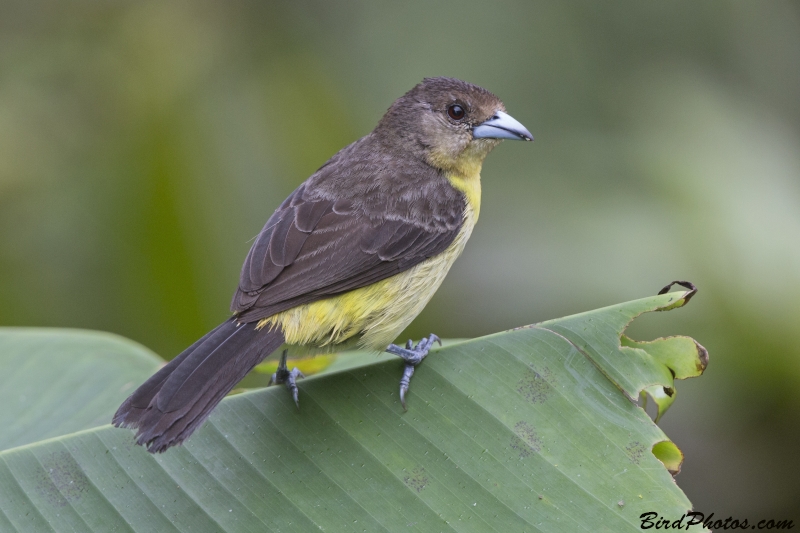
(312, 248)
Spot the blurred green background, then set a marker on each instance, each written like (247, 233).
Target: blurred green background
(144, 144)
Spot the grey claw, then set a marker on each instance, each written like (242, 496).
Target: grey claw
(430, 340)
(282, 375)
(291, 384)
(412, 355)
(408, 371)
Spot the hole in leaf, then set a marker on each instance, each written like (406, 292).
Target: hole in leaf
(669, 454)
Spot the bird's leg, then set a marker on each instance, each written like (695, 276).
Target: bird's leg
(412, 355)
(282, 375)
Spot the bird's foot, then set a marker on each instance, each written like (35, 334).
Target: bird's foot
(283, 375)
(412, 355)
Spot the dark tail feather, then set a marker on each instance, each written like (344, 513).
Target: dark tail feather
(177, 399)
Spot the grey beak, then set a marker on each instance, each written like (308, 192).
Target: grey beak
(501, 126)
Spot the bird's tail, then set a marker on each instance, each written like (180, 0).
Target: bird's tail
(173, 403)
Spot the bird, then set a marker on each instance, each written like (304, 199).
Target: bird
(346, 261)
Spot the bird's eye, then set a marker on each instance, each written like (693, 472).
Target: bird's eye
(456, 112)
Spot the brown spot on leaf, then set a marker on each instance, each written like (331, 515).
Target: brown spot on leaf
(535, 387)
(702, 357)
(526, 440)
(63, 481)
(635, 451)
(521, 448)
(417, 480)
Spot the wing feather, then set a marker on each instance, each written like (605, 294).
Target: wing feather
(340, 231)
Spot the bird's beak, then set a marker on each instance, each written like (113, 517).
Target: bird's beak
(501, 126)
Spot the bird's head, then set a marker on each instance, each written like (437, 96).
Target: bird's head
(449, 123)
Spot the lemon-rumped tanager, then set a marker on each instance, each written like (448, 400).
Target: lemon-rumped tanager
(347, 260)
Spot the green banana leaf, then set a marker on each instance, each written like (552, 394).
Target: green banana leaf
(58, 381)
(532, 429)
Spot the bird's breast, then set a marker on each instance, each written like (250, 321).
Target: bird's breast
(410, 291)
